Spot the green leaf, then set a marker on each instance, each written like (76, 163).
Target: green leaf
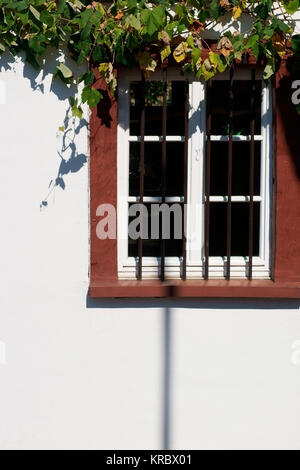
(132, 4)
(73, 101)
(64, 70)
(218, 61)
(133, 21)
(37, 45)
(88, 78)
(47, 18)
(269, 70)
(179, 10)
(146, 63)
(179, 53)
(208, 70)
(215, 8)
(18, 5)
(76, 5)
(165, 52)
(131, 43)
(24, 18)
(196, 55)
(85, 17)
(35, 12)
(281, 25)
(99, 54)
(61, 6)
(190, 41)
(2, 47)
(295, 43)
(91, 96)
(263, 10)
(85, 33)
(153, 19)
(291, 6)
(77, 111)
(253, 44)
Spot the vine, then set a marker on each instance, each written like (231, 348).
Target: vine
(147, 34)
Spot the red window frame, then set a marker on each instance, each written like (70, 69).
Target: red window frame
(286, 210)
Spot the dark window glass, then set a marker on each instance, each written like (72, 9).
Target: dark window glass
(154, 102)
(152, 176)
(240, 168)
(240, 229)
(219, 100)
(151, 247)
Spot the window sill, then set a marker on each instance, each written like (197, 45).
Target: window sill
(201, 289)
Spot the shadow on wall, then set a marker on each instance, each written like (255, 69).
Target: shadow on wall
(50, 60)
(166, 305)
(70, 160)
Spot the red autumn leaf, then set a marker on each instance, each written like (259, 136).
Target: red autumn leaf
(119, 15)
(197, 26)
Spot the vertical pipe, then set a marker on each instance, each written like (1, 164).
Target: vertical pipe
(185, 169)
(251, 175)
(229, 175)
(207, 178)
(142, 173)
(164, 170)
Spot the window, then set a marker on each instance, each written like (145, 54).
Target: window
(206, 148)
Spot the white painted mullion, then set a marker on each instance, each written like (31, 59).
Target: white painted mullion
(123, 168)
(156, 138)
(268, 174)
(195, 213)
(236, 138)
(156, 199)
(234, 198)
(265, 175)
(262, 178)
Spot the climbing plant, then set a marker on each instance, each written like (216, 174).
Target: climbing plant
(147, 34)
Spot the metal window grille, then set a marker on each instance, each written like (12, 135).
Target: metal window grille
(229, 177)
(149, 133)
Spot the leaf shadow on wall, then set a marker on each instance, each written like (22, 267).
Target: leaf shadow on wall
(37, 77)
(71, 160)
(50, 60)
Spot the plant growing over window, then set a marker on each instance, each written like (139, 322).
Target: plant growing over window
(147, 34)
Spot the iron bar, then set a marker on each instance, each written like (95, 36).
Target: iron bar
(207, 178)
(142, 174)
(229, 176)
(251, 173)
(164, 171)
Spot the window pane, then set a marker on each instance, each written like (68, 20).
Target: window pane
(175, 113)
(153, 158)
(154, 103)
(242, 107)
(240, 229)
(240, 168)
(152, 247)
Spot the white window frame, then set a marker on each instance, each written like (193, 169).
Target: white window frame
(127, 266)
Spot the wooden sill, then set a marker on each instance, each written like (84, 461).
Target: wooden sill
(193, 289)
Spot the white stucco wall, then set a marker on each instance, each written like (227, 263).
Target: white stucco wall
(76, 373)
